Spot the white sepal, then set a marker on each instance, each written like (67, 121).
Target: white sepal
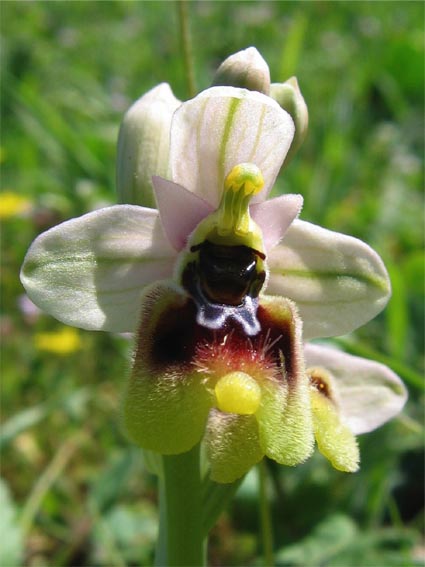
(89, 272)
(221, 128)
(338, 282)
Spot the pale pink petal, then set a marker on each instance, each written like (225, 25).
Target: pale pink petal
(180, 210)
(275, 216)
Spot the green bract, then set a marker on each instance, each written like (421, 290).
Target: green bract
(222, 287)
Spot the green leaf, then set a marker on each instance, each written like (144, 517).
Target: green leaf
(107, 488)
(397, 315)
(216, 497)
(390, 547)
(12, 549)
(327, 539)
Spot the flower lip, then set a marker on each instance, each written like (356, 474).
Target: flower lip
(228, 302)
(367, 393)
(179, 342)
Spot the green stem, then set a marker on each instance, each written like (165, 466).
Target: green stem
(181, 540)
(161, 543)
(216, 497)
(186, 46)
(265, 515)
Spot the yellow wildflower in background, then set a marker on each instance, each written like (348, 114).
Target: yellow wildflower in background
(63, 342)
(12, 205)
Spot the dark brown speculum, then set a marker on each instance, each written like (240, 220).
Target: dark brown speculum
(179, 342)
(228, 273)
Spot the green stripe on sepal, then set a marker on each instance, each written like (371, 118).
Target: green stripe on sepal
(368, 279)
(338, 282)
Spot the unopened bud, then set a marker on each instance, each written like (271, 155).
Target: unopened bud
(143, 145)
(289, 97)
(245, 69)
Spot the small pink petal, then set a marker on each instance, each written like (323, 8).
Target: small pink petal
(275, 217)
(180, 210)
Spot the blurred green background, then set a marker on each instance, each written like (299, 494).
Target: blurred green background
(74, 491)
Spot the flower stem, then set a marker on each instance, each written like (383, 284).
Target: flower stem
(186, 46)
(265, 515)
(181, 540)
(216, 497)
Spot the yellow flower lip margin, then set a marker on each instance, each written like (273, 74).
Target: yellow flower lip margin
(189, 391)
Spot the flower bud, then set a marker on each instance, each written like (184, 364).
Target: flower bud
(143, 145)
(289, 97)
(245, 69)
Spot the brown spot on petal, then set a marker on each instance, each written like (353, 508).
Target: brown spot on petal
(319, 379)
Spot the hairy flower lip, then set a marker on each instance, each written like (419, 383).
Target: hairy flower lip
(178, 363)
(179, 337)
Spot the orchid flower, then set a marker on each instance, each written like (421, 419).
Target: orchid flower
(222, 287)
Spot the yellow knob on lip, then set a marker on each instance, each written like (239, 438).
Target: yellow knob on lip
(237, 392)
